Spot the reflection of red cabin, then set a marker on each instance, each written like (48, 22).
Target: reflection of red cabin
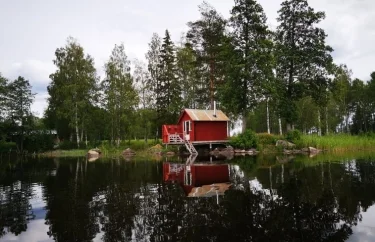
(198, 126)
(197, 175)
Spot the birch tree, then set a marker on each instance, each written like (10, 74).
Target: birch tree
(73, 86)
(120, 96)
(19, 102)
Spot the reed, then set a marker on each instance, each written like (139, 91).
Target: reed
(337, 143)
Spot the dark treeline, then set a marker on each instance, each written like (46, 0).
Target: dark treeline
(273, 80)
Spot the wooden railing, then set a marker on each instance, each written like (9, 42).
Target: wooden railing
(175, 139)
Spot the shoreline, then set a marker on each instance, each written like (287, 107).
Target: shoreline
(149, 154)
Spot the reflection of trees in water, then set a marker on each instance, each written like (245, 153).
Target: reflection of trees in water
(316, 203)
(67, 195)
(84, 199)
(16, 178)
(128, 201)
(15, 209)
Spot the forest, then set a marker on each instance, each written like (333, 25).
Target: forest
(273, 81)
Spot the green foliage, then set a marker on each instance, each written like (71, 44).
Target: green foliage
(7, 146)
(302, 57)
(120, 97)
(39, 142)
(168, 101)
(246, 140)
(293, 136)
(67, 145)
(249, 55)
(206, 36)
(188, 75)
(73, 87)
(267, 139)
(338, 143)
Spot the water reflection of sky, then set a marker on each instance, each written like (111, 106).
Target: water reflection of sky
(365, 230)
(36, 228)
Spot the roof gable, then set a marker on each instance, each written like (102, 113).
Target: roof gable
(204, 115)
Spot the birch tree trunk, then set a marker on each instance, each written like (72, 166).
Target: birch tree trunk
(280, 127)
(76, 124)
(319, 124)
(327, 128)
(268, 119)
(86, 137)
(81, 134)
(347, 122)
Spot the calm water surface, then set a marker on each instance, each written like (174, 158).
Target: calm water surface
(244, 199)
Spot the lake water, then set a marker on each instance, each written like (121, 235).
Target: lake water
(244, 199)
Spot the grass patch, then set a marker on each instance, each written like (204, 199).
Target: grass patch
(337, 143)
(108, 150)
(64, 153)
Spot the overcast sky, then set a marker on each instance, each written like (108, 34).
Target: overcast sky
(32, 30)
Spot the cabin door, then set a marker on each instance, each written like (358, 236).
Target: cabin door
(187, 129)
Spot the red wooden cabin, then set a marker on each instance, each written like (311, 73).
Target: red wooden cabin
(198, 127)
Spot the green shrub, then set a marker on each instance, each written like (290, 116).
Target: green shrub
(67, 145)
(267, 139)
(7, 146)
(246, 140)
(38, 142)
(293, 136)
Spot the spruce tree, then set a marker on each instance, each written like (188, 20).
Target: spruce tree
(168, 101)
(206, 36)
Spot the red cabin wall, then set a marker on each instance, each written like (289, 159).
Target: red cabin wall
(209, 131)
(186, 117)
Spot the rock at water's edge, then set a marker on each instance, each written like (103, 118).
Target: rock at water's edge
(128, 152)
(285, 144)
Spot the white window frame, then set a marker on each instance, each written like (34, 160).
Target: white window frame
(184, 125)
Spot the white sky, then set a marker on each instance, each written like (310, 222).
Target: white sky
(30, 31)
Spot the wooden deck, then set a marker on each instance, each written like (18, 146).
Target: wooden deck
(198, 142)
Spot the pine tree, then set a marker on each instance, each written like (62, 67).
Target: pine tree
(206, 36)
(301, 53)
(187, 73)
(251, 58)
